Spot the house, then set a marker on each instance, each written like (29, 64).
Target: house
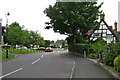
(104, 32)
(60, 42)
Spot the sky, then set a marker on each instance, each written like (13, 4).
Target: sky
(30, 14)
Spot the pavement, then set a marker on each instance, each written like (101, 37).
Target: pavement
(57, 64)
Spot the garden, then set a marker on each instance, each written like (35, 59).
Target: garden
(108, 53)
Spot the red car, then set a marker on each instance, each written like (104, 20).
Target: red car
(48, 50)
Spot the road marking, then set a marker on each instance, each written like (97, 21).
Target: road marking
(35, 61)
(71, 75)
(11, 72)
(41, 56)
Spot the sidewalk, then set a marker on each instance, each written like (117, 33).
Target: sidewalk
(86, 68)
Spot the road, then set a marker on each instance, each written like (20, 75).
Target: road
(57, 64)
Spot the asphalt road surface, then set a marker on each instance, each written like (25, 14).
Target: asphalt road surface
(57, 64)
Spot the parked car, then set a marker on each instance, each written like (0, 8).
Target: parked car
(48, 50)
(24, 47)
(41, 48)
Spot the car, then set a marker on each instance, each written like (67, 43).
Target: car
(24, 47)
(41, 48)
(48, 50)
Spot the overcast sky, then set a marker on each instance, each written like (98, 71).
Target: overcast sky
(30, 14)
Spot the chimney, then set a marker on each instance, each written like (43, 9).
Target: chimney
(110, 27)
(102, 16)
(115, 26)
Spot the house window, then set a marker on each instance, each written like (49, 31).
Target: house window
(109, 36)
(96, 34)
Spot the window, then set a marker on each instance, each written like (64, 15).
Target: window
(96, 34)
(109, 36)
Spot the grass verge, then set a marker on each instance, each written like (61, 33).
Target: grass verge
(3, 56)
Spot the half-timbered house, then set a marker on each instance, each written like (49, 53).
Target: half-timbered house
(104, 32)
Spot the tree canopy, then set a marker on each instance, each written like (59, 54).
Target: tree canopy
(13, 34)
(16, 35)
(73, 18)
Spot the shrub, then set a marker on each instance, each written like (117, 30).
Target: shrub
(98, 46)
(111, 53)
(78, 48)
(108, 60)
(92, 56)
(117, 63)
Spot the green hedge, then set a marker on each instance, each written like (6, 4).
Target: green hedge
(78, 48)
(108, 60)
(24, 51)
(117, 63)
(92, 56)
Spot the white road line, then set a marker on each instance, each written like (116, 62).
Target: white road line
(35, 61)
(11, 73)
(71, 75)
(41, 56)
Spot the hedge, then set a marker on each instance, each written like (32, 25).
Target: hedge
(92, 56)
(117, 63)
(78, 48)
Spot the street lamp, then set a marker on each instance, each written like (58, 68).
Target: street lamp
(8, 14)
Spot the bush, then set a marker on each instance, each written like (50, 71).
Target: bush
(78, 48)
(99, 46)
(108, 60)
(117, 63)
(92, 56)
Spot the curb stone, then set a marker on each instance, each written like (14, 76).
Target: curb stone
(107, 69)
(110, 70)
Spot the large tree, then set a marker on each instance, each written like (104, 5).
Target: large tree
(14, 34)
(35, 38)
(73, 18)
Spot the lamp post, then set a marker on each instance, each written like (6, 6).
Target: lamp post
(8, 14)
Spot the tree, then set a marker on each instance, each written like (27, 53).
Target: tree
(35, 38)
(73, 18)
(26, 38)
(47, 43)
(13, 34)
(16, 35)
